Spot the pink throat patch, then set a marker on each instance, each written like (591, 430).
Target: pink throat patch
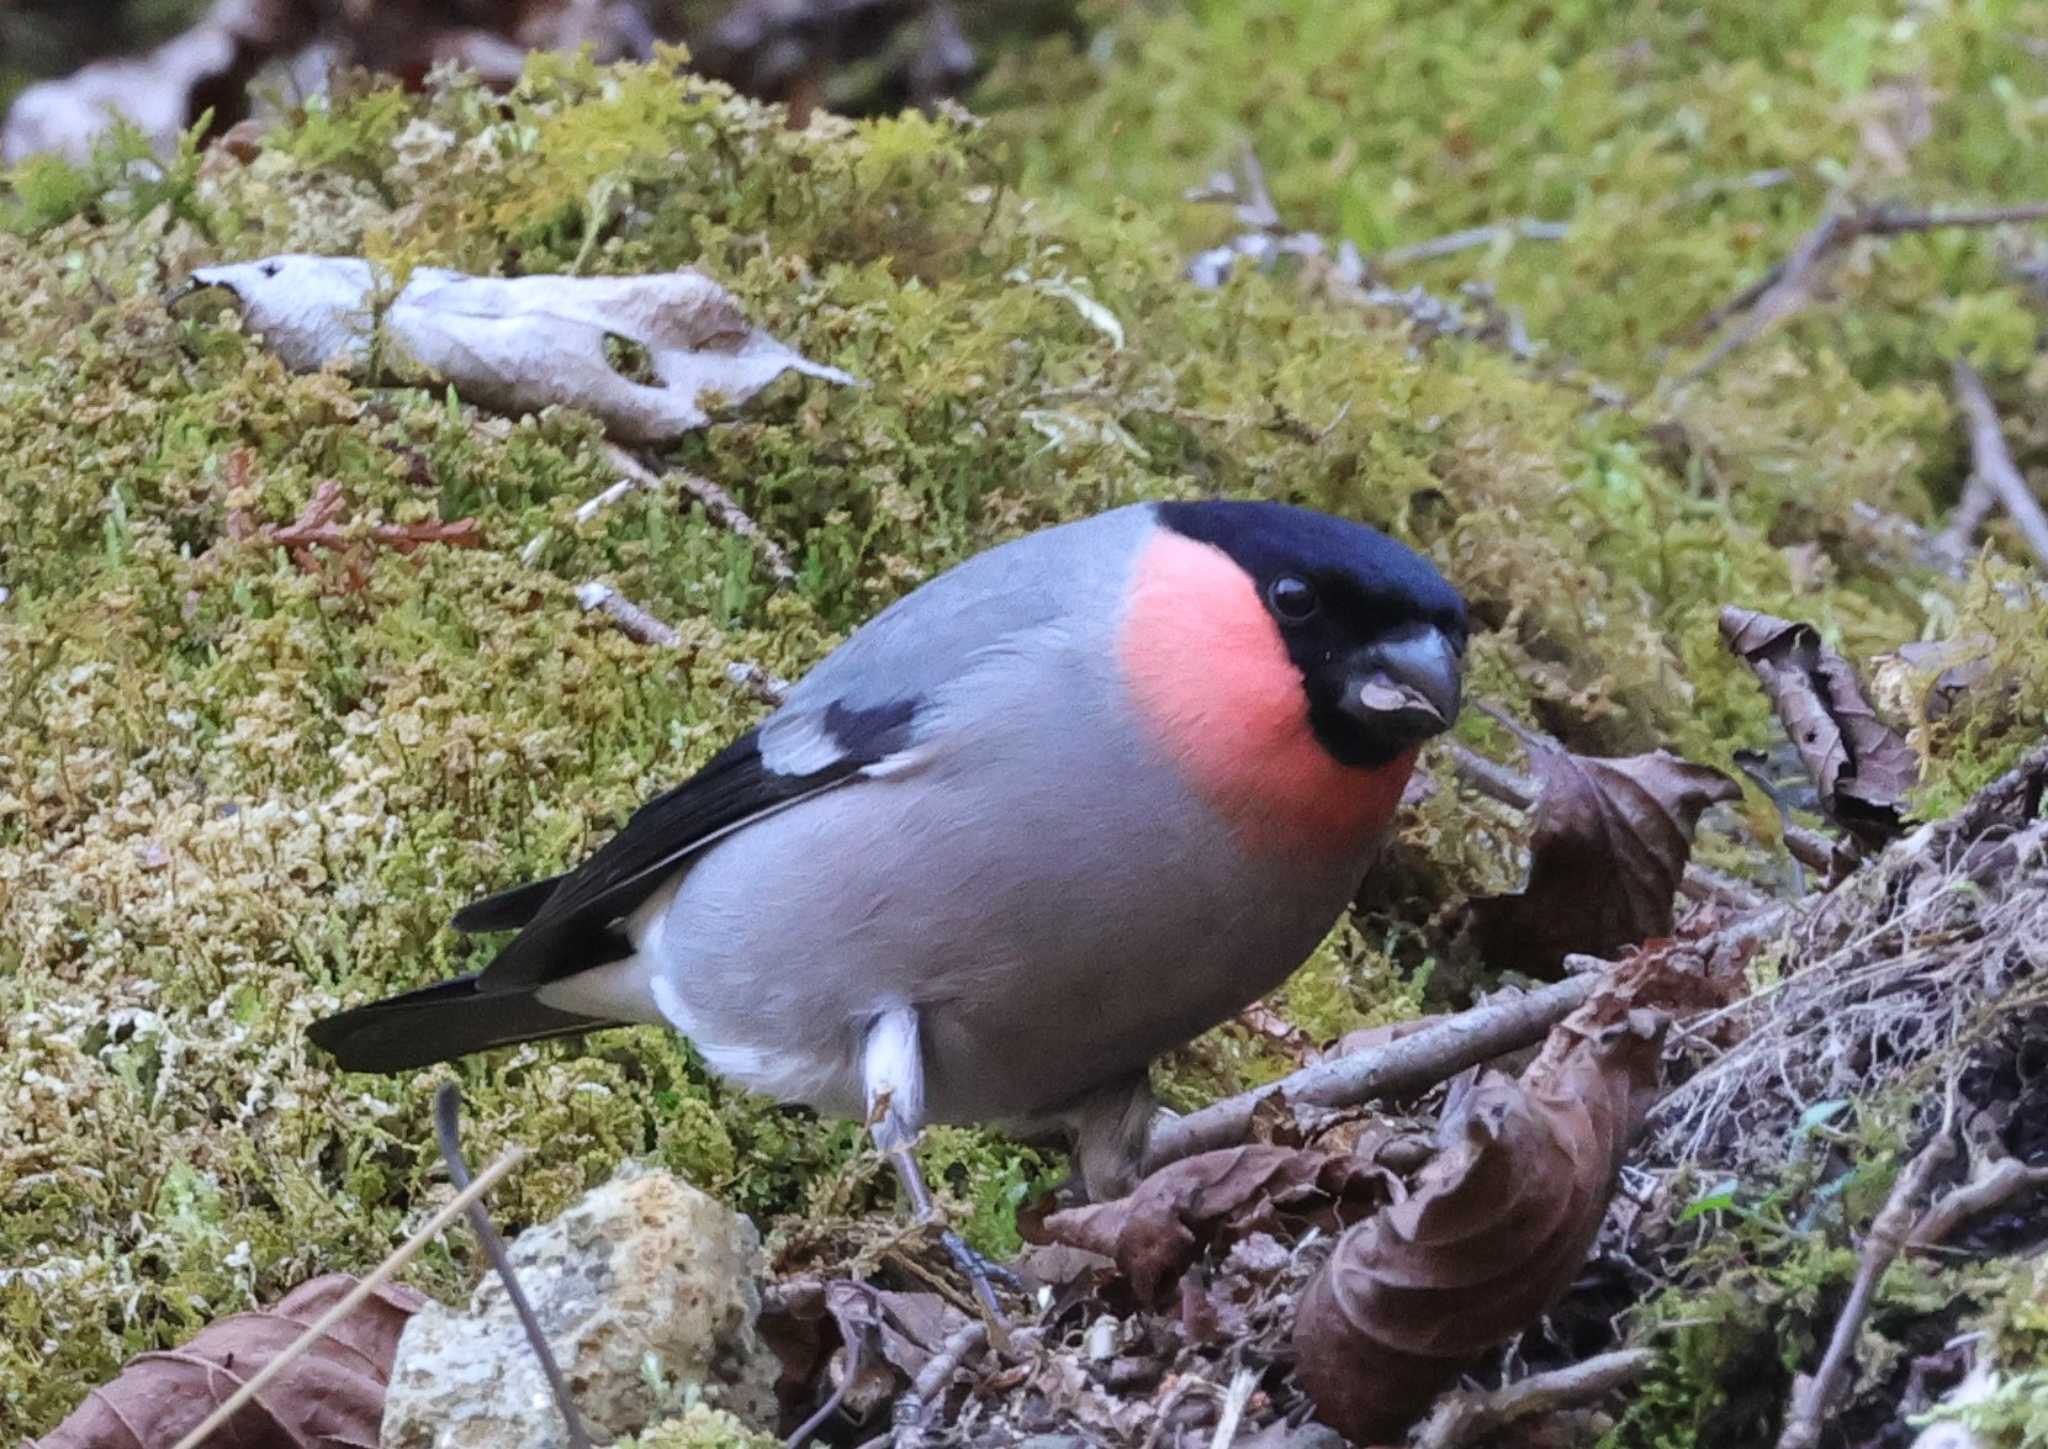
(1216, 689)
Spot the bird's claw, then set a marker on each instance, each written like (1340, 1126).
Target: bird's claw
(975, 1266)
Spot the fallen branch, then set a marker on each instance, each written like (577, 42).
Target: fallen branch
(489, 1178)
(723, 508)
(1782, 290)
(1411, 1064)
(1991, 461)
(1465, 1417)
(636, 621)
(1813, 1396)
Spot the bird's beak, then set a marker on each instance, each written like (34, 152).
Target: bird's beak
(1406, 686)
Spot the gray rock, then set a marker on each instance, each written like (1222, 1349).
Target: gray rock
(646, 1289)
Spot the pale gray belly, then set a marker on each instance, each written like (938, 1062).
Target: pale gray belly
(1051, 943)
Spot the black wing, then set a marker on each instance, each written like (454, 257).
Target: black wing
(570, 923)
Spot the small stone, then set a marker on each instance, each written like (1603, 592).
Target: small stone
(647, 1290)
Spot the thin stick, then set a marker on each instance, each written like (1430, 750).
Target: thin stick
(1414, 1062)
(914, 1410)
(636, 621)
(810, 1426)
(1462, 1418)
(1991, 461)
(767, 687)
(1782, 290)
(1958, 537)
(1494, 780)
(721, 505)
(489, 1178)
(1814, 1397)
(448, 1130)
(1526, 229)
(2006, 1179)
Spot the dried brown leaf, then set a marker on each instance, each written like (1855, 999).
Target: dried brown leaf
(1156, 1232)
(330, 1396)
(1290, 1040)
(1498, 1225)
(1864, 769)
(1611, 842)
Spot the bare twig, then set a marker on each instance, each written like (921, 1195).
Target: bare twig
(723, 508)
(1492, 779)
(2003, 1179)
(1810, 848)
(855, 1351)
(1813, 1397)
(448, 1130)
(1784, 289)
(914, 1410)
(1958, 537)
(1414, 1062)
(489, 1178)
(768, 687)
(1991, 461)
(1525, 229)
(1462, 1418)
(636, 621)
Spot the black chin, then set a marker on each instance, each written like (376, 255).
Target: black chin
(1361, 745)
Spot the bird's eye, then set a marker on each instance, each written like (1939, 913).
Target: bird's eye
(1293, 599)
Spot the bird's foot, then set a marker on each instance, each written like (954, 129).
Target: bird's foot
(974, 1266)
(983, 1276)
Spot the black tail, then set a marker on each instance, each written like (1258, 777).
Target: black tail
(440, 1023)
(507, 910)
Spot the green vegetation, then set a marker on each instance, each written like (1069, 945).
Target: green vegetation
(236, 793)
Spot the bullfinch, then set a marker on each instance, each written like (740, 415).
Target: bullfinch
(1062, 808)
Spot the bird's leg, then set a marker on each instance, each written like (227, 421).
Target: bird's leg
(1109, 1129)
(892, 1071)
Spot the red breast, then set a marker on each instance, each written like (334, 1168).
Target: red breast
(1217, 692)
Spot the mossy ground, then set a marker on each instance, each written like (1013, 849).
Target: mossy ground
(235, 794)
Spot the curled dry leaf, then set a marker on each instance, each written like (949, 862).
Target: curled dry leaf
(642, 354)
(1863, 767)
(1498, 1224)
(1156, 1232)
(330, 1395)
(1611, 842)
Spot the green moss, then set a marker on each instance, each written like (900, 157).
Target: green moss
(236, 793)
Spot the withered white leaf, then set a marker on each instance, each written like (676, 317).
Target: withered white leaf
(520, 344)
